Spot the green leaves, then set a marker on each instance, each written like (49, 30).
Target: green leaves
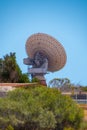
(58, 83)
(10, 70)
(39, 108)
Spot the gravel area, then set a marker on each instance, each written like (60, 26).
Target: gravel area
(5, 89)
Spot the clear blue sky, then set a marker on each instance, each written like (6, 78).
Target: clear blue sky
(66, 20)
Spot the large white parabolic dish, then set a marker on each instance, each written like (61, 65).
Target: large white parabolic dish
(50, 47)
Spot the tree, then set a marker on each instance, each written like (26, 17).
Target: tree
(10, 70)
(39, 108)
(62, 83)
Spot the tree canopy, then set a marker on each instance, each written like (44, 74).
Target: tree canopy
(10, 70)
(39, 108)
(59, 82)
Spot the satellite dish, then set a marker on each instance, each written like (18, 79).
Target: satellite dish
(44, 52)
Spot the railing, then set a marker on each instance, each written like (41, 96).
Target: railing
(81, 101)
(80, 98)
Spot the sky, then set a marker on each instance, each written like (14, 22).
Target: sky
(65, 20)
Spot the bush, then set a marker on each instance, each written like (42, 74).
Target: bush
(83, 125)
(68, 128)
(9, 128)
(39, 108)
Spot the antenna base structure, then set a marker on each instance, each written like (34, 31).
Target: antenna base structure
(39, 66)
(45, 54)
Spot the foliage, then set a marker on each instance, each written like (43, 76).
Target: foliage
(68, 128)
(24, 78)
(39, 108)
(10, 70)
(35, 80)
(9, 128)
(57, 82)
(84, 88)
(83, 125)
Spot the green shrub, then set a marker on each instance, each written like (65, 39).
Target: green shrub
(39, 108)
(83, 125)
(9, 128)
(68, 128)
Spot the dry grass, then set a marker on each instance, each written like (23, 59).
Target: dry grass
(85, 115)
(84, 123)
(84, 106)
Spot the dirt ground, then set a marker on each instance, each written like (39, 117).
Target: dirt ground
(84, 106)
(85, 115)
